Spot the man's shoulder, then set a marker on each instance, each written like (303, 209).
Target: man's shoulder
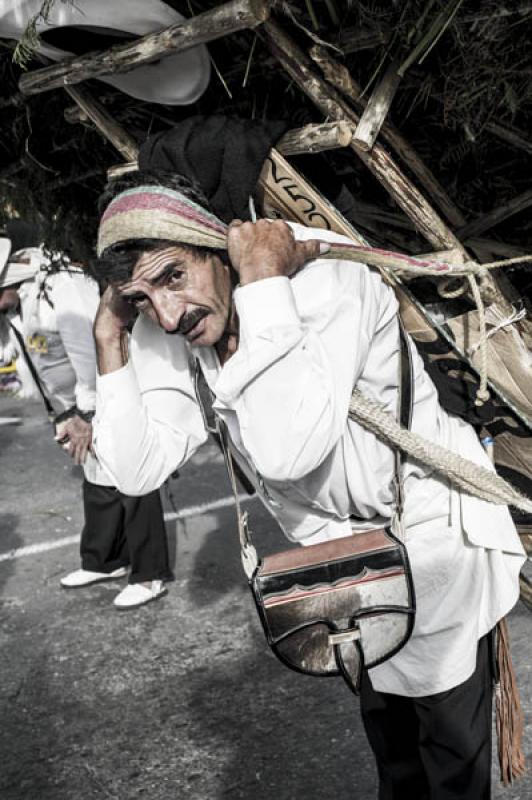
(75, 279)
(326, 278)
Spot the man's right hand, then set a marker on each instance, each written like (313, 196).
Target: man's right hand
(114, 314)
(74, 434)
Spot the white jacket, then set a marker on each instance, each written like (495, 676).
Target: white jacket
(304, 343)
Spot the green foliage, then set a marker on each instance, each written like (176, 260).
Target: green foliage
(26, 47)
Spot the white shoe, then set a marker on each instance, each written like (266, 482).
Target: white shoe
(137, 594)
(84, 577)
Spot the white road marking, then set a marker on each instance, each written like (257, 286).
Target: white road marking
(170, 516)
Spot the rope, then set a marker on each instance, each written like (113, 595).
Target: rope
(472, 478)
(448, 293)
(471, 271)
(399, 262)
(516, 316)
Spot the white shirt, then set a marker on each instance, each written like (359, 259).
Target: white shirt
(59, 339)
(304, 343)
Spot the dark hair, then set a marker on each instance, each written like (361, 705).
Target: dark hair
(116, 263)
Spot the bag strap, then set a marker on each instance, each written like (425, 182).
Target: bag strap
(248, 553)
(406, 404)
(33, 371)
(217, 427)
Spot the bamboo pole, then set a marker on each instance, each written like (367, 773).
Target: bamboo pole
(339, 76)
(511, 136)
(75, 115)
(353, 40)
(497, 215)
(120, 169)
(494, 248)
(379, 162)
(315, 138)
(377, 109)
(309, 139)
(115, 133)
(219, 21)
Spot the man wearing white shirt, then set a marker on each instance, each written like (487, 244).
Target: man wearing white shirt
(56, 303)
(282, 337)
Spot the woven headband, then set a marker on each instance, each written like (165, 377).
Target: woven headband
(155, 212)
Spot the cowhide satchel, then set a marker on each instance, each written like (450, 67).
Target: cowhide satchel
(341, 606)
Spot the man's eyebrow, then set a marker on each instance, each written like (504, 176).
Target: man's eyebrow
(165, 273)
(134, 296)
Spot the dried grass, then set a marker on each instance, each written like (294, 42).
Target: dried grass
(464, 67)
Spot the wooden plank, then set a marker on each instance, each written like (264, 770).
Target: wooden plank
(283, 192)
(115, 133)
(379, 162)
(219, 21)
(377, 109)
(339, 76)
(497, 215)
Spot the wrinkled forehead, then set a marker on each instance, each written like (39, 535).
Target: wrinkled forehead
(152, 265)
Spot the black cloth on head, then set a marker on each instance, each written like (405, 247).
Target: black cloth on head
(223, 154)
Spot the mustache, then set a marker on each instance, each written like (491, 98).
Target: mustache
(187, 321)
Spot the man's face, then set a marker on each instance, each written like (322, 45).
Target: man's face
(9, 298)
(182, 292)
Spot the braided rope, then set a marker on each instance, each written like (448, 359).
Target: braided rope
(471, 477)
(470, 271)
(399, 262)
(450, 294)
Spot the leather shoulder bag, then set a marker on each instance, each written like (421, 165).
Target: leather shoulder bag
(344, 605)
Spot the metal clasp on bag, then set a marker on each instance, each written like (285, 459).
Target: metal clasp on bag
(351, 635)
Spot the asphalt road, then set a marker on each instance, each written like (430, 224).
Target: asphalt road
(180, 698)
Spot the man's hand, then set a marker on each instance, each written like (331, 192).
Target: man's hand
(75, 436)
(267, 249)
(114, 314)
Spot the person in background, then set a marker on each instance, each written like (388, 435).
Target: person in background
(51, 304)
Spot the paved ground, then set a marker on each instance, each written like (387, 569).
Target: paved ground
(179, 699)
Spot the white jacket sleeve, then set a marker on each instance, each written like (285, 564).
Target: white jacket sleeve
(9, 349)
(303, 344)
(147, 422)
(76, 299)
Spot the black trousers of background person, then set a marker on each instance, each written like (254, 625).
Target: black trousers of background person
(436, 747)
(120, 530)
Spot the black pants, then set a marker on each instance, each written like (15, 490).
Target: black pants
(436, 747)
(121, 530)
